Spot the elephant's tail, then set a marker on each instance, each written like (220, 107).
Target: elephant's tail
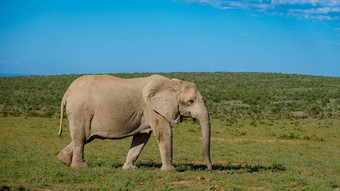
(63, 103)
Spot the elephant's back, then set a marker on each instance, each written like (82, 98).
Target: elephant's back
(107, 81)
(87, 80)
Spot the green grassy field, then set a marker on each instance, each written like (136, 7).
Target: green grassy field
(269, 132)
(273, 155)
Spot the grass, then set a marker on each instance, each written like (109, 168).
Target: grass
(269, 132)
(271, 155)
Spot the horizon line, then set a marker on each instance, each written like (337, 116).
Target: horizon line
(24, 75)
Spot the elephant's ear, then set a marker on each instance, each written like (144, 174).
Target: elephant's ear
(159, 95)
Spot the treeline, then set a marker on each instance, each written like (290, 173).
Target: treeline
(229, 96)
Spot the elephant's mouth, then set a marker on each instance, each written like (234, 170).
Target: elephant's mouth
(187, 114)
(193, 118)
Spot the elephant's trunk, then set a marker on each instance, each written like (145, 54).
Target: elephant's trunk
(205, 125)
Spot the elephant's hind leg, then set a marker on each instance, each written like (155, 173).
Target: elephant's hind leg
(65, 156)
(78, 154)
(137, 145)
(79, 129)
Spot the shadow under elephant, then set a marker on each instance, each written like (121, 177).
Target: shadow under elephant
(232, 167)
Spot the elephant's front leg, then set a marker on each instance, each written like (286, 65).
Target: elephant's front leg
(137, 145)
(163, 133)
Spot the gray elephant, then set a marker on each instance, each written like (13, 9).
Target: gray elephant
(107, 107)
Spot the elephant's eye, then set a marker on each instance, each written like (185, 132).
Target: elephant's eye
(190, 102)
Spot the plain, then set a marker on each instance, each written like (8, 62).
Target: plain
(269, 132)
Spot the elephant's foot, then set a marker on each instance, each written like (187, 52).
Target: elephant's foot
(168, 168)
(127, 166)
(64, 158)
(79, 164)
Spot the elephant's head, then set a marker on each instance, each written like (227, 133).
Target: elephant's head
(172, 98)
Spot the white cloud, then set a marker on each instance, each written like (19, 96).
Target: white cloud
(309, 9)
(321, 17)
(317, 11)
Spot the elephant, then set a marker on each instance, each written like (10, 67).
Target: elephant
(108, 107)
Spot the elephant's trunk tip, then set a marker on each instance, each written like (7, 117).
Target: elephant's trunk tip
(208, 162)
(209, 167)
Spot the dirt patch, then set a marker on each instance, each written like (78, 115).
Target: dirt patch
(9, 165)
(181, 182)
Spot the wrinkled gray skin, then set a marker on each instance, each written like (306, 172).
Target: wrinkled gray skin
(107, 107)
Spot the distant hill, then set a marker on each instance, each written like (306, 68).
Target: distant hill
(229, 95)
(8, 75)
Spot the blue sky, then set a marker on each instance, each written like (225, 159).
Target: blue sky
(63, 37)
